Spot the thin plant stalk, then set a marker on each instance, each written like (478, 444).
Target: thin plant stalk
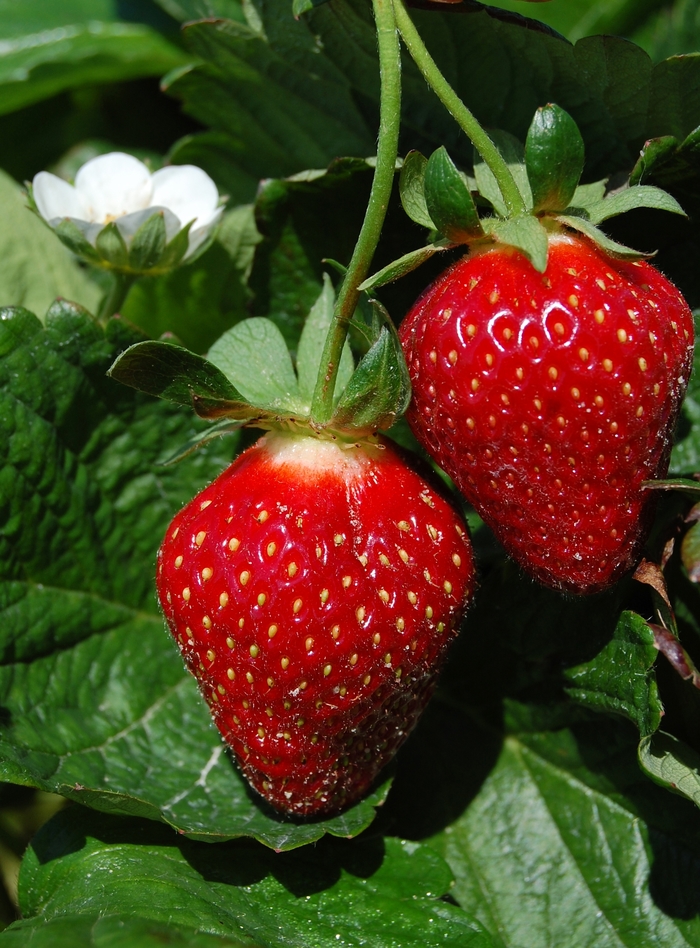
(382, 184)
(466, 120)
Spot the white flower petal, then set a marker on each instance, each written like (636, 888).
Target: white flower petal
(198, 235)
(188, 191)
(55, 198)
(114, 185)
(129, 224)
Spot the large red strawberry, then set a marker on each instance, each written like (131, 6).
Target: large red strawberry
(313, 590)
(550, 398)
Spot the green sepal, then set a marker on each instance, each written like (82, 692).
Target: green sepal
(674, 483)
(112, 248)
(176, 374)
(525, 233)
(656, 152)
(513, 154)
(600, 238)
(218, 430)
(148, 243)
(640, 195)
(412, 189)
(254, 357)
(449, 200)
(588, 195)
(176, 249)
(554, 157)
(410, 261)
(312, 342)
(379, 390)
(72, 237)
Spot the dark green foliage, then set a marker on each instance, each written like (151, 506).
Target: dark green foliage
(551, 792)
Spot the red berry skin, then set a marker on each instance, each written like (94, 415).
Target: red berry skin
(549, 399)
(313, 591)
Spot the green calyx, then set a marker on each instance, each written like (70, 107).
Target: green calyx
(149, 251)
(250, 379)
(546, 171)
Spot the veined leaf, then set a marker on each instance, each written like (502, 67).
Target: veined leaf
(174, 373)
(254, 357)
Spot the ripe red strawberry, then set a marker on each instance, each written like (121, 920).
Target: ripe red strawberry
(313, 590)
(549, 399)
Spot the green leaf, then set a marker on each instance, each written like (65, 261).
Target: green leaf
(110, 931)
(390, 889)
(513, 152)
(672, 764)
(411, 188)
(254, 357)
(311, 345)
(34, 267)
(566, 843)
(631, 198)
(621, 679)
(282, 122)
(601, 238)
(148, 243)
(186, 10)
(449, 200)
(50, 48)
(554, 157)
(525, 233)
(406, 264)
(173, 373)
(379, 390)
(97, 704)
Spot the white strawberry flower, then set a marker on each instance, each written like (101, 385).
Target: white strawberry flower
(119, 190)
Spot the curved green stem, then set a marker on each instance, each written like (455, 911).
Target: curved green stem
(114, 298)
(459, 111)
(382, 183)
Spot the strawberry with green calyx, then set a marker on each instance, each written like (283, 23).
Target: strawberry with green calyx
(549, 365)
(315, 586)
(314, 589)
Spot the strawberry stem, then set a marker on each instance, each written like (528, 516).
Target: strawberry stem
(114, 298)
(382, 184)
(459, 111)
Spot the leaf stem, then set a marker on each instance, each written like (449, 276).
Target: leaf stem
(113, 299)
(382, 184)
(466, 120)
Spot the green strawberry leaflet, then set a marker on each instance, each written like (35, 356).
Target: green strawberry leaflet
(249, 378)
